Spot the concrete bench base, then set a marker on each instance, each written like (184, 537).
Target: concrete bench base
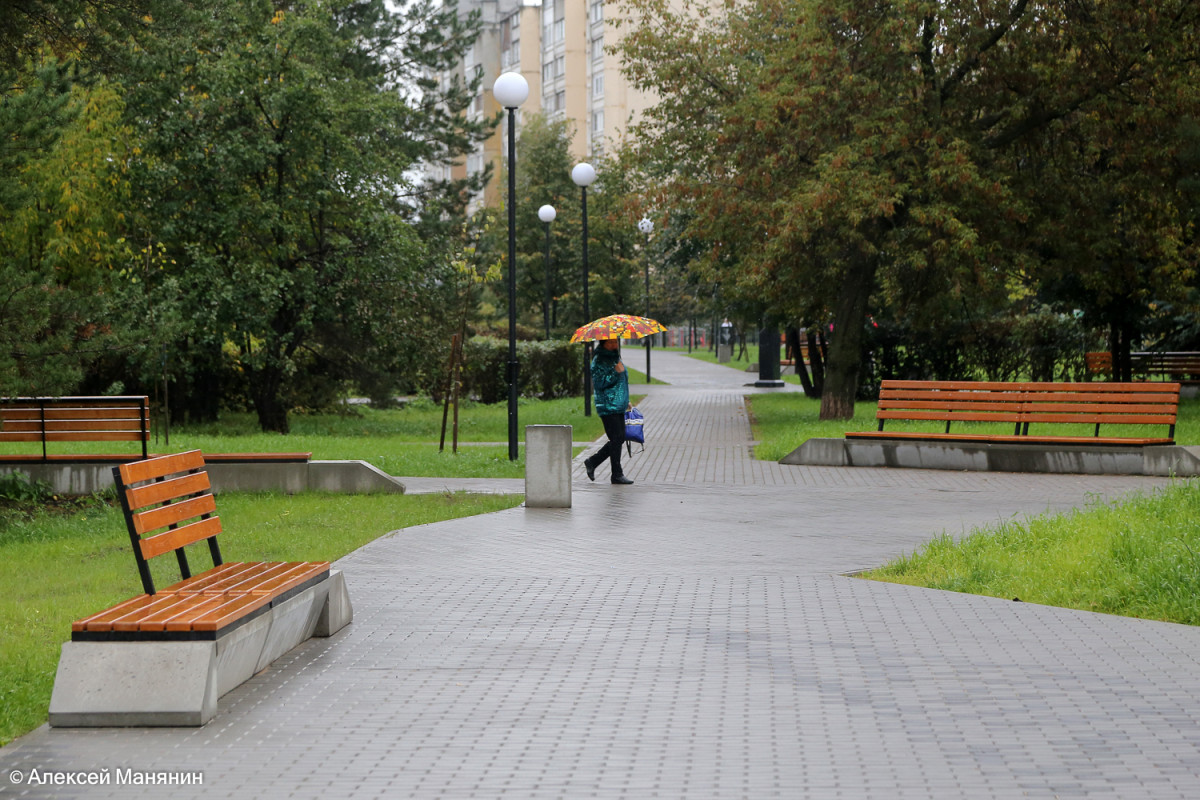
(177, 683)
(352, 477)
(1163, 460)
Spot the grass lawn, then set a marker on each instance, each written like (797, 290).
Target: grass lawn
(1139, 558)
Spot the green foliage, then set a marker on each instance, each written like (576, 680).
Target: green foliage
(938, 160)
(21, 488)
(58, 226)
(548, 369)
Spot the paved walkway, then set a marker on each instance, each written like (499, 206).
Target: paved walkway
(692, 636)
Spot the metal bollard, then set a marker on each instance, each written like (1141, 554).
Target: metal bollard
(548, 466)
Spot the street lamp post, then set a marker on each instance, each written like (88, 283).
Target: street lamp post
(646, 226)
(547, 214)
(510, 90)
(584, 174)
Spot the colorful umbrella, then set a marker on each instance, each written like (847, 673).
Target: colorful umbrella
(617, 326)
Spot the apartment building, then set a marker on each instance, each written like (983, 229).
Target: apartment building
(559, 46)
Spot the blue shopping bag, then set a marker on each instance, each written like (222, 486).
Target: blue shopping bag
(635, 429)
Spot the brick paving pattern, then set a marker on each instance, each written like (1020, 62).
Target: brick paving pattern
(692, 636)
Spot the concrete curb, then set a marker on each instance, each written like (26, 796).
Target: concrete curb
(350, 477)
(1171, 460)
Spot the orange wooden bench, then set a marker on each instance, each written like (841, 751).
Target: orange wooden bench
(241, 608)
(75, 419)
(1023, 404)
(95, 419)
(168, 504)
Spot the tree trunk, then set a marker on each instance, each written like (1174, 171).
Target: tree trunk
(1120, 345)
(265, 386)
(845, 345)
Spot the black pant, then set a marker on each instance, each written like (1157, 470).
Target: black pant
(614, 428)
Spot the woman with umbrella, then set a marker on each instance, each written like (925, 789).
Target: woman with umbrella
(610, 392)
(610, 383)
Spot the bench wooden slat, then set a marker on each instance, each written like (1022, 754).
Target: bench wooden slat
(170, 540)
(299, 572)
(174, 513)
(213, 579)
(1102, 418)
(153, 615)
(932, 435)
(96, 436)
(161, 466)
(103, 619)
(266, 572)
(234, 609)
(140, 497)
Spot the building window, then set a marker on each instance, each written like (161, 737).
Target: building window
(598, 85)
(598, 48)
(598, 11)
(597, 123)
(560, 101)
(560, 30)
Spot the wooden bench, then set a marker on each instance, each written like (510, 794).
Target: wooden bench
(1023, 404)
(75, 419)
(1181, 367)
(95, 419)
(209, 632)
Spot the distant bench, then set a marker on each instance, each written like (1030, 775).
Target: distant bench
(1182, 366)
(74, 419)
(95, 419)
(1023, 404)
(164, 657)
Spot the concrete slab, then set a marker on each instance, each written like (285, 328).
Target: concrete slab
(123, 684)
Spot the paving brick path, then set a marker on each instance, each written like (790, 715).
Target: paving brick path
(692, 636)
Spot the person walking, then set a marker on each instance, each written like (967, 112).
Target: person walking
(610, 391)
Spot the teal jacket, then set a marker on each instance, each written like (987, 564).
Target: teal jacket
(610, 389)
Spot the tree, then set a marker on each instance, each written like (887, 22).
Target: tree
(59, 229)
(277, 141)
(839, 149)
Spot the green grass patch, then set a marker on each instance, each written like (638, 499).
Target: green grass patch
(401, 441)
(1137, 558)
(782, 422)
(67, 563)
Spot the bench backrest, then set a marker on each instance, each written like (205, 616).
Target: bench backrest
(1023, 403)
(168, 504)
(75, 419)
(948, 401)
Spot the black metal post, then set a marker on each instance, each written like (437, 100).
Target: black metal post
(587, 317)
(512, 285)
(647, 305)
(546, 309)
